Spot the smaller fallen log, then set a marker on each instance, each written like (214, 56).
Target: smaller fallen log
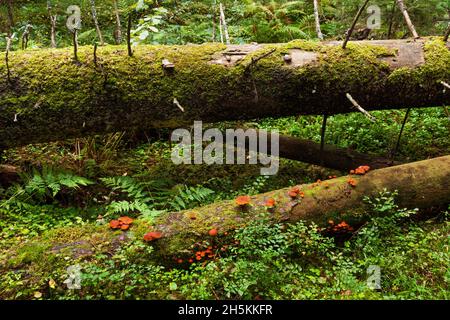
(331, 157)
(421, 184)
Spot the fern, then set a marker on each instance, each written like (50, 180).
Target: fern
(43, 185)
(149, 199)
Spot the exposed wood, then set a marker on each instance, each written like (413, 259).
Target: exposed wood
(213, 83)
(420, 185)
(408, 21)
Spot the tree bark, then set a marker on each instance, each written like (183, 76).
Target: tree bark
(52, 98)
(420, 185)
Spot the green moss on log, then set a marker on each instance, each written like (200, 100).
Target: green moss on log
(52, 97)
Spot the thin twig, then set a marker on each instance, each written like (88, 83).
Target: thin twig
(8, 47)
(445, 84)
(397, 146)
(75, 44)
(255, 60)
(355, 21)
(322, 137)
(130, 51)
(405, 13)
(361, 109)
(95, 54)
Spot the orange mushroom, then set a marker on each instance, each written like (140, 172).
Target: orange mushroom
(243, 201)
(114, 224)
(151, 236)
(125, 227)
(213, 232)
(270, 203)
(295, 192)
(352, 182)
(126, 220)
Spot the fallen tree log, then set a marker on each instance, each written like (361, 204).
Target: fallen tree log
(49, 96)
(8, 175)
(343, 159)
(420, 185)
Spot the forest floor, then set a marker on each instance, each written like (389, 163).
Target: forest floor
(57, 217)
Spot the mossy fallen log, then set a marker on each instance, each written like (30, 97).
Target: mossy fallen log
(49, 96)
(422, 184)
(343, 159)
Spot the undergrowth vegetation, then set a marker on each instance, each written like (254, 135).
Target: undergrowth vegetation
(56, 214)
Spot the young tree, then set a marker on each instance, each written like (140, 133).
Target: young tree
(94, 17)
(317, 19)
(10, 9)
(53, 25)
(118, 31)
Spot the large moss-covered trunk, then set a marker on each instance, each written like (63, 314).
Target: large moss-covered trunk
(49, 96)
(422, 184)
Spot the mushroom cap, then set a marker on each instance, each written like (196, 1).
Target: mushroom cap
(114, 224)
(270, 202)
(125, 227)
(243, 200)
(126, 220)
(213, 232)
(151, 236)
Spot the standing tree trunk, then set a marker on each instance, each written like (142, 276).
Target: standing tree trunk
(317, 20)
(214, 21)
(391, 20)
(404, 11)
(224, 24)
(94, 17)
(53, 25)
(10, 16)
(118, 31)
